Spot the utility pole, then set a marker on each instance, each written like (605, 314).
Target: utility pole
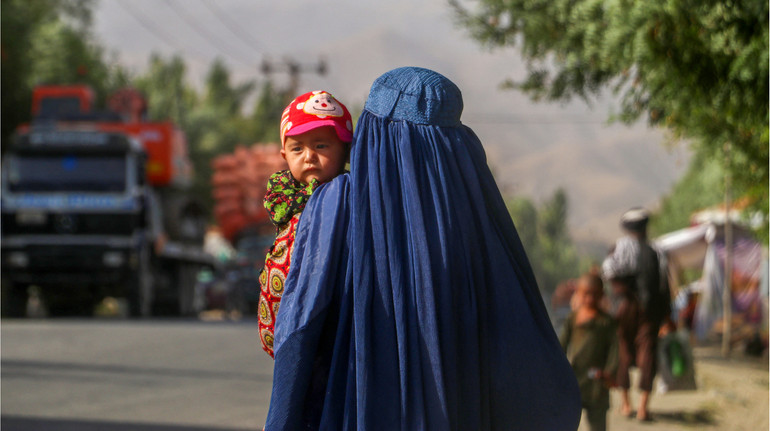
(293, 68)
(727, 300)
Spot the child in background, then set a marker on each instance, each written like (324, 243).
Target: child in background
(589, 339)
(316, 131)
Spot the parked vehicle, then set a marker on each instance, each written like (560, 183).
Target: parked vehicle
(96, 204)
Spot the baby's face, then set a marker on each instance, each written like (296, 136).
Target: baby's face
(316, 154)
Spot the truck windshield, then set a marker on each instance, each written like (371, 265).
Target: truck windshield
(57, 107)
(87, 173)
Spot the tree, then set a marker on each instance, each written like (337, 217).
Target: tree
(263, 124)
(697, 68)
(524, 214)
(63, 55)
(544, 235)
(48, 41)
(554, 217)
(701, 187)
(164, 85)
(214, 121)
(221, 95)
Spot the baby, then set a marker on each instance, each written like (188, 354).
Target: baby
(316, 131)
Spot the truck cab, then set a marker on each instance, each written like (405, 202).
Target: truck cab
(97, 204)
(75, 216)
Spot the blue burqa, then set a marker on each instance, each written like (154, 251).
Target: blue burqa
(410, 303)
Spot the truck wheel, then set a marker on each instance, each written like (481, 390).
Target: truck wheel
(179, 281)
(186, 279)
(140, 287)
(69, 301)
(185, 219)
(14, 299)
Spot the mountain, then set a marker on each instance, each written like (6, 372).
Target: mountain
(533, 148)
(605, 172)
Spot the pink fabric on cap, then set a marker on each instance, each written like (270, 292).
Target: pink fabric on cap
(316, 109)
(344, 134)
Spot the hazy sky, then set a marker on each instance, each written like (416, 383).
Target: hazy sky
(359, 39)
(529, 146)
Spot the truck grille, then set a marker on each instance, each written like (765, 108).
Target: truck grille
(58, 257)
(72, 223)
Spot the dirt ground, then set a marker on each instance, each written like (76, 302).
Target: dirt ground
(732, 395)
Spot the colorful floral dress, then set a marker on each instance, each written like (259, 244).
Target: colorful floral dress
(285, 199)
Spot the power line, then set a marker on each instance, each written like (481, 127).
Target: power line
(293, 68)
(151, 27)
(234, 27)
(493, 119)
(202, 30)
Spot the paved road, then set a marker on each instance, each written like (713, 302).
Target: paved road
(143, 375)
(176, 375)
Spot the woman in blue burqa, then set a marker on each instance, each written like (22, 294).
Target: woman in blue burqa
(410, 304)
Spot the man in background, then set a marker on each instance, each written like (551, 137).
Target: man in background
(638, 276)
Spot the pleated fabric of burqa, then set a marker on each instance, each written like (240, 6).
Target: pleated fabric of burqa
(411, 304)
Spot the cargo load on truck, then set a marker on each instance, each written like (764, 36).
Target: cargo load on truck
(239, 184)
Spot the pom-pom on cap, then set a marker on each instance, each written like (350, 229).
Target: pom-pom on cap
(417, 95)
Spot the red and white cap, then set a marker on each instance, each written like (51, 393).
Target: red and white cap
(316, 109)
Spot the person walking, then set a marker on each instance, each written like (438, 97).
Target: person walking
(640, 288)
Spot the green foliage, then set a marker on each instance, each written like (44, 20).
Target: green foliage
(48, 41)
(214, 121)
(221, 95)
(544, 234)
(165, 88)
(701, 187)
(698, 68)
(263, 123)
(63, 55)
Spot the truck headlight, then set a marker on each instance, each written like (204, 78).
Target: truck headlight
(31, 218)
(18, 258)
(113, 258)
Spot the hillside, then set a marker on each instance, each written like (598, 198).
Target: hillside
(533, 149)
